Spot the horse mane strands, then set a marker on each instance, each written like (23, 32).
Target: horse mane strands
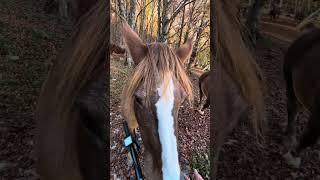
(73, 69)
(238, 61)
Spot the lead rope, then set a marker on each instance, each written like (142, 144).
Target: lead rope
(128, 143)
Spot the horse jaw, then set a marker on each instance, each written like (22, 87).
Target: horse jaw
(168, 140)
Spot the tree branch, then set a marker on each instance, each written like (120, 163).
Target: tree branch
(177, 11)
(142, 10)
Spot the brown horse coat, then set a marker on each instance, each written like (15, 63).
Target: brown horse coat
(204, 81)
(301, 73)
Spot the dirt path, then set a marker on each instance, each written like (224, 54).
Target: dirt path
(281, 20)
(193, 134)
(283, 28)
(242, 158)
(279, 31)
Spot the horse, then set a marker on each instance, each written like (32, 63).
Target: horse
(151, 100)
(238, 91)
(71, 109)
(301, 64)
(204, 90)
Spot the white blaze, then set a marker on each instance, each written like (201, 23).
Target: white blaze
(169, 150)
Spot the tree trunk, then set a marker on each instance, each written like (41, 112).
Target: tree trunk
(151, 20)
(295, 7)
(122, 10)
(164, 22)
(186, 36)
(182, 26)
(132, 14)
(118, 33)
(252, 18)
(143, 16)
(196, 44)
(281, 3)
(309, 5)
(159, 18)
(127, 4)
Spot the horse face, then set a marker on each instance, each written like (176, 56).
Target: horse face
(161, 90)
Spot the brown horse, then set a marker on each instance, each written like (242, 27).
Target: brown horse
(204, 80)
(71, 111)
(301, 72)
(237, 87)
(152, 99)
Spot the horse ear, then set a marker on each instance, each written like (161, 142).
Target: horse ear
(137, 48)
(184, 52)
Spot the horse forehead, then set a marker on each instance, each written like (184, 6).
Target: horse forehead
(178, 91)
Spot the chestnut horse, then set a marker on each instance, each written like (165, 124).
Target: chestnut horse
(204, 80)
(71, 110)
(301, 72)
(152, 98)
(235, 76)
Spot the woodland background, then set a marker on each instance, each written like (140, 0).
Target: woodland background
(170, 21)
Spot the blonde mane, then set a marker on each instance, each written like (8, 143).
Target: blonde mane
(160, 64)
(238, 61)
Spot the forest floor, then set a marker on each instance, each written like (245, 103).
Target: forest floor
(193, 132)
(241, 157)
(29, 38)
(281, 28)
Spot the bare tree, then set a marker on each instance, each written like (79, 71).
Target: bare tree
(159, 18)
(182, 25)
(252, 19)
(151, 18)
(143, 16)
(203, 24)
(190, 20)
(132, 14)
(122, 11)
(165, 19)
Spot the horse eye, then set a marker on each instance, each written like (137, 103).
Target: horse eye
(139, 99)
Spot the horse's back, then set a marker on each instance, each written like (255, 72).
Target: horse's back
(204, 81)
(307, 77)
(302, 62)
(299, 47)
